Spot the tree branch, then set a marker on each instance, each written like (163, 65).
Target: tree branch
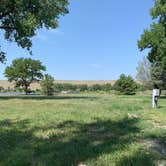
(4, 14)
(6, 27)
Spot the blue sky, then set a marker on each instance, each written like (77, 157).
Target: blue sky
(97, 40)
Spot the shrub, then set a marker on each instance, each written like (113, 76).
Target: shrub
(47, 85)
(68, 86)
(38, 91)
(58, 87)
(18, 89)
(83, 87)
(9, 89)
(95, 87)
(73, 87)
(1, 89)
(125, 85)
(107, 87)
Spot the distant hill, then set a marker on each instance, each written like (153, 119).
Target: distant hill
(5, 84)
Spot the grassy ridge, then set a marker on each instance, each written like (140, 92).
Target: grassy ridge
(95, 129)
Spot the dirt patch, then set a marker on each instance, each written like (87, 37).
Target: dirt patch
(155, 144)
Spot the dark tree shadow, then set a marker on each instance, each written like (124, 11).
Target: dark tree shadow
(137, 159)
(20, 146)
(39, 97)
(76, 142)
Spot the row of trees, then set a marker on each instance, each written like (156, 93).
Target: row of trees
(49, 87)
(124, 85)
(24, 71)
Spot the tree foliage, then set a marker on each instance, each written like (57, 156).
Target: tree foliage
(107, 87)
(154, 39)
(47, 85)
(24, 71)
(125, 85)
(83, 87)
(19, 19)
(95, 87)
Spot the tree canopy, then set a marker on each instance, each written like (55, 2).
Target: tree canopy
(154, 39)
(125, 85)
(23, 71)
(19, 19)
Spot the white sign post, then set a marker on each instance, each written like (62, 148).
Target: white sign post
(156, 94)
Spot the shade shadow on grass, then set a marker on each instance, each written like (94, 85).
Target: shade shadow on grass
(137, 159)
(39, 97)
(77, 142)
(20, 146)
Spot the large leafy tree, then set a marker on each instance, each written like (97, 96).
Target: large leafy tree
(19, 19)
(154, 39)
(24, 71)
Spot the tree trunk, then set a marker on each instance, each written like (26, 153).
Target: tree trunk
(26, 90)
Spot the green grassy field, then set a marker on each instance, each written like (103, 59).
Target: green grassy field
(94, 129)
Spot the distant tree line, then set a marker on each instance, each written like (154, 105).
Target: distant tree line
(48, 87)
(125, 85)
(25, 71)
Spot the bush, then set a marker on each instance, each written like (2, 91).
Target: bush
(1, 89)
(58, 87)
(107, 87)
(73, 87)
(125, 85)
(95, 87)
(83, 87)
(47, 85)
(9, 89)
(18, 89)
(68, 86)
(38, 91)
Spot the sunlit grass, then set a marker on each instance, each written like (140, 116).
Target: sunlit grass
(95, 129)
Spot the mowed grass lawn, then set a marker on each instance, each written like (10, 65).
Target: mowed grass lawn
(93, 129)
